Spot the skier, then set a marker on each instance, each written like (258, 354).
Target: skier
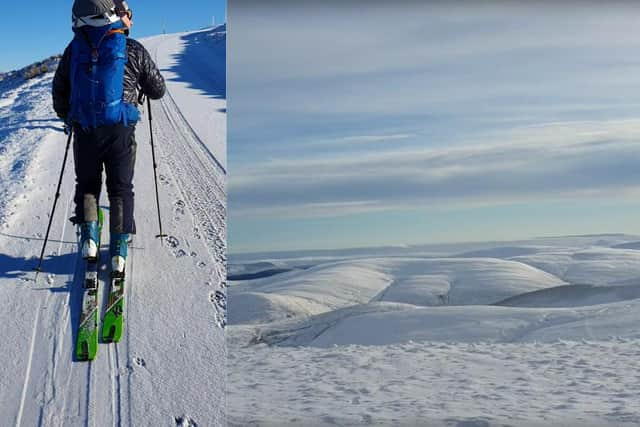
(101, 76)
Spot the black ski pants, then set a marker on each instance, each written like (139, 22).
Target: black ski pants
(114, 148)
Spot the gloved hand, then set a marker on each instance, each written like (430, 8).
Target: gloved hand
(64, 117)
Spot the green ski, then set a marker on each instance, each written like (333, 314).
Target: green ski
(87, 339)
(113, 321)
(87, 342)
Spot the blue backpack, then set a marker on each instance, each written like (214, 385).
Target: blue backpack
(98, 58)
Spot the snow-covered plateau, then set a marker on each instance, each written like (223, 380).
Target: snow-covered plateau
(169, 367)
(543, 332)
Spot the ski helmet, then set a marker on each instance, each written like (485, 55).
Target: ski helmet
(123, 11)
(95, 13)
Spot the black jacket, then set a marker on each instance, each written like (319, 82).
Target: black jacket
(140, 74)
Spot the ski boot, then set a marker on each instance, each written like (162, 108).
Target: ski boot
(118, 251)
(90, 240)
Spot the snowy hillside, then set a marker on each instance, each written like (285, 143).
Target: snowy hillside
(168, 369)
(531, 333)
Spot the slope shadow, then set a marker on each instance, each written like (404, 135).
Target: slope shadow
(573, 296)
(24, 268)
(268, 272)
(257, 275)
(9, 130)
(628, 245)
(202, 63)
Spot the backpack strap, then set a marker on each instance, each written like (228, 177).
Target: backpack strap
(109, 33)
(94, 72)
(116, 31)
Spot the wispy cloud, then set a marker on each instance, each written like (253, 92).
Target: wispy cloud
(582, 159)
(356, 141)
(369, 138)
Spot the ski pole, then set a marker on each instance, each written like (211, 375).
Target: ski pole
(55, 202)
(155, 167)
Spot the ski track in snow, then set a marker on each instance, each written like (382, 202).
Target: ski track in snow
(172, 351)
(200, 177)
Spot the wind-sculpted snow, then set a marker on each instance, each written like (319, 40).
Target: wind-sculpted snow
(261, 307)
(25, 120)
(594, 266)
(464, 340)
(462, 281)
(322, 288)
(417, 281)
(389, 323)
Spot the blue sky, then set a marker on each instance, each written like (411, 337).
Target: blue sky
(38, 29)
(418, 123)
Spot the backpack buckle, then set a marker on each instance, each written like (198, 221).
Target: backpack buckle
(94, 55)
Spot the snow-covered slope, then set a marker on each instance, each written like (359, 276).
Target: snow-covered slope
(194, 65)
(439, 340)
(168, 368)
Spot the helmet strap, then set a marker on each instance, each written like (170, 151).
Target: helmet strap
(126, 21)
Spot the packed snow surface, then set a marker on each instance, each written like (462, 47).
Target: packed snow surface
(168, 368)
(529, 333)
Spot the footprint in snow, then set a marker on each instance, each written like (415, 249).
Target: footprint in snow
(196, 233)
(472, 422)
(185, 421)
(219, 302)
(179, 207)
(139, 361)
(219, 299)
(172, 242)
(221, 320)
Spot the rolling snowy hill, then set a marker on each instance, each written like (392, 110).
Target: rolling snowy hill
(532, 333)
(168, 368)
